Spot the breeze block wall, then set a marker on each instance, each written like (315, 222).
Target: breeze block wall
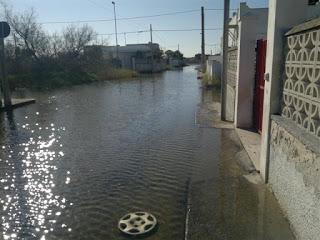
(302, 81)
(294, 161)
(231, 83)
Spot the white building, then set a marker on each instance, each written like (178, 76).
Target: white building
(246, 27)
(213, 68)
(139, 57)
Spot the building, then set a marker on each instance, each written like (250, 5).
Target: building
(139, 57)
(274, 86)
(214, 66)
(247, 26)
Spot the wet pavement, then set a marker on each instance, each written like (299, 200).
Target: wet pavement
(80, 158)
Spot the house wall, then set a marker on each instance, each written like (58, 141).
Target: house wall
(280, 20)
(252, 26)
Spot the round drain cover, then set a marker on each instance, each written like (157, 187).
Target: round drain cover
(137, 223)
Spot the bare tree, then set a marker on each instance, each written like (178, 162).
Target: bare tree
(56, 45)
(75, 39)
(28, 31)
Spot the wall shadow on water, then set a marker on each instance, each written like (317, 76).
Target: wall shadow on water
(224, 205)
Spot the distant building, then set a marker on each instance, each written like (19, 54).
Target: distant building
(214, 63)
(176, 63)
(139, 57)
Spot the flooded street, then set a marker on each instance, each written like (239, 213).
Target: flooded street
(80, 158)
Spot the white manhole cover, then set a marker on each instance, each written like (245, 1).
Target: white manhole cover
(137, 223)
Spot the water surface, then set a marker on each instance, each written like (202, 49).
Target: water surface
(80, 158)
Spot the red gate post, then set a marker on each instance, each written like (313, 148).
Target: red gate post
(259, 83)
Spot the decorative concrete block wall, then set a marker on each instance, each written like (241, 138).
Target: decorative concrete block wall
(301, 92)
(232, 66)
(294, 159)
(231, 83)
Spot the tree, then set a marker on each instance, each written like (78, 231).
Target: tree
(197, 57)
(29, 33)
(174, 54)
(75, 39)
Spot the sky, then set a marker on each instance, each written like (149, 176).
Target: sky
(189, 42)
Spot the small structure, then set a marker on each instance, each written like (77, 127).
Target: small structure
(176, 63)
(214, 66)
(138, 57)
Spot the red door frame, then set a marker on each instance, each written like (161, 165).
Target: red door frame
(259, 83)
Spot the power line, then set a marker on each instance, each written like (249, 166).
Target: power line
(108, 34)
(130, 18)
(186, 30)
(165, 30)
(219, 9)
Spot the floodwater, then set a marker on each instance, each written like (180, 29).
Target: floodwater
(80, 158)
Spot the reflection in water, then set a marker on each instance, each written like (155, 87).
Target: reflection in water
(29, 205)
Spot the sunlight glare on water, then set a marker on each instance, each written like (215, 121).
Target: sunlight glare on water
(27, 188)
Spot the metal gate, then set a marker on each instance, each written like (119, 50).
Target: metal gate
(259, 83)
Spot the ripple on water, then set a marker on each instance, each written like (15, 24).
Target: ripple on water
(127, 146)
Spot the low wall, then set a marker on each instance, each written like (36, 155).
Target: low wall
(294, 176)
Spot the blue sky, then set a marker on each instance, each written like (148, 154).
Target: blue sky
(189, 42)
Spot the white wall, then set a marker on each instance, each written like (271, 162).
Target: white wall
(283, 15)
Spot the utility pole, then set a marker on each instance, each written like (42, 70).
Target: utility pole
(225, 58)
(179, 47)
(125, 38)
(4, 80)
(203, 53)
(116, 29)
(151, 47)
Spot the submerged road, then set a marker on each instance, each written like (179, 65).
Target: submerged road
(80, 158)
